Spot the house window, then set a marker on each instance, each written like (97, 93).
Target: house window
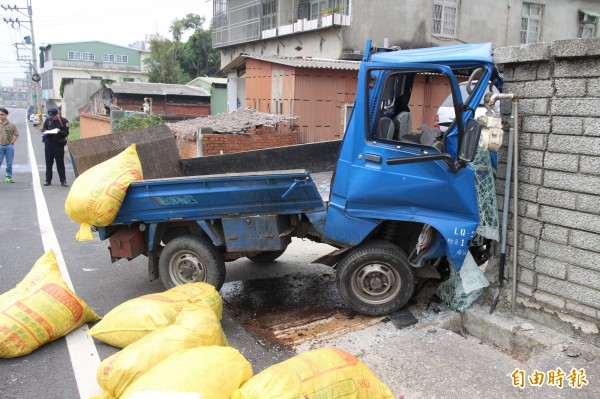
(588, 22)
(74, 56)
(531, 22)
(445, 17)
(269, 15)
(108, 58)
(87, 56)
(121, 59)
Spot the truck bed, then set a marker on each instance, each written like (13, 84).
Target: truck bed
(220, 196)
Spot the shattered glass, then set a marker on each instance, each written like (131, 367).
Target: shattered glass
(486, 196)
(463, 288)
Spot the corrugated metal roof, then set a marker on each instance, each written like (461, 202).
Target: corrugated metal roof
(161, 89)
(297, 62)
(307, 62)
(213, 80)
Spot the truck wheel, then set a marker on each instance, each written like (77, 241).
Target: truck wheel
(189, 259)
(375, 278)
(266, 257)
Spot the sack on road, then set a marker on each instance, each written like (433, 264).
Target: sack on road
(97, 194)
(40, 309)
(194, 327)
(138, 317)
(212, 372)
(325, 373)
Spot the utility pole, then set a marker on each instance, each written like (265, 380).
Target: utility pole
(17, 23)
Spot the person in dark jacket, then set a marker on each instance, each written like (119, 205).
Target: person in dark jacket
(55, 132)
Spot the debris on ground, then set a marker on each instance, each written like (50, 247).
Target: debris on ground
(238, 121)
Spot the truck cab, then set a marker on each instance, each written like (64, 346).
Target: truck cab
(404, 199)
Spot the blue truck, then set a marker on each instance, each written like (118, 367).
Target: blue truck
(402, 204)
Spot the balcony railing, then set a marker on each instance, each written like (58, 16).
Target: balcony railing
(247, 22)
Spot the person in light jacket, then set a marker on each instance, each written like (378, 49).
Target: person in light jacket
(8, 135)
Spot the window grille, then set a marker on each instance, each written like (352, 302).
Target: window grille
(445, 17)
(121, 59)
(74, 56)
(588, 22)
(531, 22)
(87, 56)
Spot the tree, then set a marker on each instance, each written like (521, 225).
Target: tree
(177, 62)
(190, 21)
(198, 57)
(163, 63)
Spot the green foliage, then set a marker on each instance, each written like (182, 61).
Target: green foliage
(163, 63)
(198, 57)
(106, 82)
(74, 122)
(136, 121)
(172, 61)
(63, 83)
(190, 21)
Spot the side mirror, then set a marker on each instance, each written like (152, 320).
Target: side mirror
(470, 141)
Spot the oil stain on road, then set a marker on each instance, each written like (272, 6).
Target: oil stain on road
(293, 310)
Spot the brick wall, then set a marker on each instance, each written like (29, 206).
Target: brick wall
(215, 144)
(558, 85)
(93, 125)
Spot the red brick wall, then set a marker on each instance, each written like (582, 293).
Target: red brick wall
(93, 125)
(213, 144)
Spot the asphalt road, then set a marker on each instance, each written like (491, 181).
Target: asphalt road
(63, 369)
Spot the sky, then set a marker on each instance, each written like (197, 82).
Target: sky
(121, 22)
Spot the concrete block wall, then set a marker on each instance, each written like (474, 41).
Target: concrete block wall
(558, 85)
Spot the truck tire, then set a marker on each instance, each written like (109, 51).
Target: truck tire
(266, 256)
(375, 278)
(189, 259)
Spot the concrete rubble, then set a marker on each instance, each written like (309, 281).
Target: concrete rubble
(238, 121)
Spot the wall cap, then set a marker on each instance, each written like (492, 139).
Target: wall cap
(575, 48)
(523, 53)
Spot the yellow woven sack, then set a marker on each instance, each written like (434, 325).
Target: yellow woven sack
(97, 194)
(138, 317)
(40, 309)
(194, 327)
(326, 373)
(210, 372)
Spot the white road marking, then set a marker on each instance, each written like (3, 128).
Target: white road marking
(82, 350)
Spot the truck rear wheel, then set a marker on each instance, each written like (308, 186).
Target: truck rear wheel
(190, 259)
(375, 278)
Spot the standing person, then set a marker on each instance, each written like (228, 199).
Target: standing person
(8, 135)
(55, 145)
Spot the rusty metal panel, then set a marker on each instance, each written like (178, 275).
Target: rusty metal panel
(320, 97)
(258, 85)
(127, 243)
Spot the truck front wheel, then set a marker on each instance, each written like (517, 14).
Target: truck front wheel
(375, 278)
(190, 259)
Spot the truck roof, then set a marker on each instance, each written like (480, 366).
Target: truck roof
(439, 55)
